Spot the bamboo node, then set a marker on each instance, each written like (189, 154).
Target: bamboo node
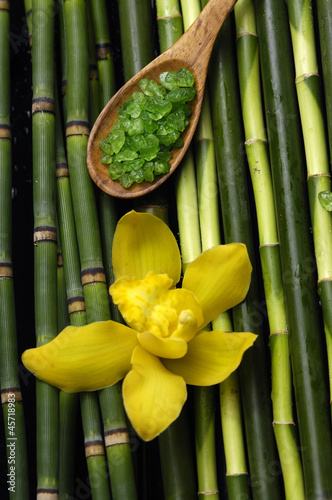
(283, 422)
(44, 233)
(279, 332)
(4, 4)
(323, 174)
(242, 32)
(59, 260)
(240, 473)
(93, 72)
(305, 76)
(62, 170)
(163, 18)
(5, 130)
(253, 140)
(93, 275)
(6, 270)
(208, 492)
(77, 127)
(64, 87)
(116, 436)
(47, 494)
(263, 245)
(327, 278)
(43, 105)
(11, 395)
(94, 448)
(102, 50)
(201, 139)
(75, 304)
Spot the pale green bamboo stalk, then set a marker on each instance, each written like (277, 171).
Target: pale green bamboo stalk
(316, 152)
(257, 154)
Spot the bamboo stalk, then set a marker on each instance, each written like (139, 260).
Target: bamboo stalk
(136, 43)
(296, 248)
(63, 55)
(324, 22)
(237, 224)
(75, 17)
(45, 250)
(89, 243)
(73, 307)
(17, 480)
(257, 154)
(316, 152)
(107, 205)
(94, 85)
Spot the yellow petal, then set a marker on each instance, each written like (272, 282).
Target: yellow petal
(153, 397)
(220, 278)
(212, 356)
(84, 358)
(162, 347)
(143, 243)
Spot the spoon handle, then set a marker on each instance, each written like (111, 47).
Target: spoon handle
(195, 46)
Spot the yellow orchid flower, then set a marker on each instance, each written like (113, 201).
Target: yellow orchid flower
(164, 346)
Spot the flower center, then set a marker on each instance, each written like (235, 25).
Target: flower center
(151, 305)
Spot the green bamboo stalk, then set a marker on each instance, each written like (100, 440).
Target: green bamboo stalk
(236, 469)
(236, 213)
(17, 480)
(136, 43)
(257, 154)
(89, 243)
(169, 23)
(324, 22)
(94, 86)
(63, 55)
(316, 152)
(76, 145)
(68, 404)
(74, 306)
(45, 250)
(107, 205)
(296, 248)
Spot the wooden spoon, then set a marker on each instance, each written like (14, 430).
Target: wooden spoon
(191, 51)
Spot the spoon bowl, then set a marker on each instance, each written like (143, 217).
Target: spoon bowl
(192, 51)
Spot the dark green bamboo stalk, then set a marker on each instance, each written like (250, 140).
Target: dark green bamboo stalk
(45, 236)
(89, 242)
(257, 155)
(324, 21)
(316, 152)
(296, 248)
(236, 213)
(17, 480)
(136, 42)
